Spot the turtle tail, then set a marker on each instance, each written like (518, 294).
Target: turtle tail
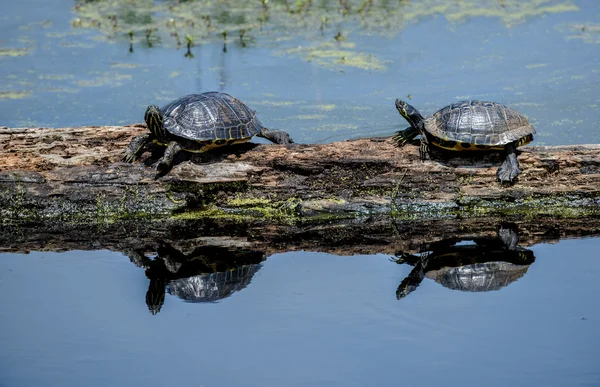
(403, 136)
(276, 136)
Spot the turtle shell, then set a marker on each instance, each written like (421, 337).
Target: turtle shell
(210, 116)
(211, 287)
(480, 123)
(479, 277)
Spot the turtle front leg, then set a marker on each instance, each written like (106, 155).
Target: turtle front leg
(275, 135)
(424, 149)
(509, 169)
(165, 163)
(135, 147)
(403, 136)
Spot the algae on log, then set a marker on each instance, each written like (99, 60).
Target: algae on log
(76, 174)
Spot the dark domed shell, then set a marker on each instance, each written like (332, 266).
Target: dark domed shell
(479, 122)
(210, 116)
(210, 287)
(479, 277)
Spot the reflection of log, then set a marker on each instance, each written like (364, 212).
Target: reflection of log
(341, 238)
(75, 174)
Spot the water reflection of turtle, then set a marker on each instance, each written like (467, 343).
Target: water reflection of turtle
(207, 274)
(483, 265)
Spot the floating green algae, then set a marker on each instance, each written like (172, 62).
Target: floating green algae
(281, 23)
(327, 107)
(536, 65)
(332, 54)
(56, 77)
(20, 94)
(589, 33)
(282, 19)
(310, 117)
(14, 51)
(105, 79)
(277, 103)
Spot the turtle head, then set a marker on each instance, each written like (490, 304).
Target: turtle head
(412, 115)
(154, 120)
(406, 287)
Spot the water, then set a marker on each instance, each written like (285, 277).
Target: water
(79, 318)
(83, 317)
(60, 69)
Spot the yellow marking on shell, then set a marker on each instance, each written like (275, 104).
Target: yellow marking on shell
(213, 144)
(465, 146)
(525, 140)
(458, 146)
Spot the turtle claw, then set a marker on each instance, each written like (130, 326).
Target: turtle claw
(129, 158)
(161, 169)
(401, 137)
(399, 140)
(507, 173)
(509, 169)
(399, 259)
(135, 148)
(424, 151)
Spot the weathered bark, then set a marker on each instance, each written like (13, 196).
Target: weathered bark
(75, 174)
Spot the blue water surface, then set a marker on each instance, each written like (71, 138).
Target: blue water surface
(541, 57)
(79, 318)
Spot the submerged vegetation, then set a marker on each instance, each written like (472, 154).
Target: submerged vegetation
(325, 28)
(589, 33)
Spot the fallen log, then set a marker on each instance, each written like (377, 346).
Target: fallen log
(76, 175)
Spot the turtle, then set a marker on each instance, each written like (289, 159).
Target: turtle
(205, 274)
(469, 125)
(198, 123)
(473, 264)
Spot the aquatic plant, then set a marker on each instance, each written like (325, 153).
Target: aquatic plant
(287, 23)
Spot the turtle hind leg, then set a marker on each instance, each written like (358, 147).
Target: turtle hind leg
(275, 135)
(509, 169)
(165, 163)
(155, 296)
(509, 235)
(135, 147)
(403, 136)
